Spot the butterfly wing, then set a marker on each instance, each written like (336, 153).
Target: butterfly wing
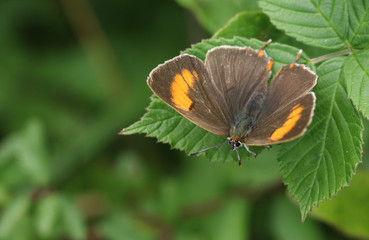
(288, 108)
(184, 84)
(237, 73)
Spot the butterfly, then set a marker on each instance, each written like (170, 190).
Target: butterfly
(228, 95)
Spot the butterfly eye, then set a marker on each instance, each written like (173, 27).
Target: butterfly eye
(238, 144)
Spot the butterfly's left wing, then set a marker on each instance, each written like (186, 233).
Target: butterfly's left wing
(184, 84)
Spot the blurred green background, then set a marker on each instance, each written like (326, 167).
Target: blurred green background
(73, 74)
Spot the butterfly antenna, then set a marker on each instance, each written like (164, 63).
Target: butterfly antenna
(239, 159)
(261, 51)
(265, 44)
(193, 154)
(298, 55)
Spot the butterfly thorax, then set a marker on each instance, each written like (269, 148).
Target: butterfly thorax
(244, 121)
(241, 127)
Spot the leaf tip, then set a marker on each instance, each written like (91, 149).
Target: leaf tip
(122, 132)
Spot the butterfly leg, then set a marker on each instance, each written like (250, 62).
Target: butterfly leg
(268, 147)
(193, 154)
(239, 159)
(247, 148)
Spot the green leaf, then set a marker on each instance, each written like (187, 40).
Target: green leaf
(358, 13)
(318, 23)
(249, 25)
(232, 221)
(25, 152)
(74, 225)
(317, 165)
(285, 222)
(123, 225)
(24, 230)
(214, 14)
(356, 69)
(31, 152)
(47, 213)
(257, 25)
(348, 212)
(7, 149)
(168, 126)
(13, 215)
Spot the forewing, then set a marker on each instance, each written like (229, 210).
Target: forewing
(184, 84)
(236, 73)
(285, 124)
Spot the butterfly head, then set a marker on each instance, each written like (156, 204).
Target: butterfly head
(235, 143)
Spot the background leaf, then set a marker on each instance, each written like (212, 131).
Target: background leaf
(214, 14)
(13, 216)
(47, 213)
(330, 150)
(232, 220)
(31, 152)
(257, 25)
(286, 224)
(348, 211)
(164, 123)
(72, 220)
(248, 24)
(356, 69)
(319, 23)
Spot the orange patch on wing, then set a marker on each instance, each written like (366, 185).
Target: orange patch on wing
(180, 88)
(195, 74)
(292, 119)
(260, 53)
(270, 65)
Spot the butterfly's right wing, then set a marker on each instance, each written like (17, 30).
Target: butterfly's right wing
(184, 84)
(288, 108)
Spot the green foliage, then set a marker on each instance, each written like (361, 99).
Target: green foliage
(323, 24)
(348, 210)
(212, 15)
(47, 213)
(356, 69)
(358, 23)
(13, 217)
(69, 83)
(286, 224)
(249, 24)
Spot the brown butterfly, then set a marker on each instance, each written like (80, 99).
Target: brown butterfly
(228, 95)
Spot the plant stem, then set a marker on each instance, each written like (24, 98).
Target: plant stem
(330, 55)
